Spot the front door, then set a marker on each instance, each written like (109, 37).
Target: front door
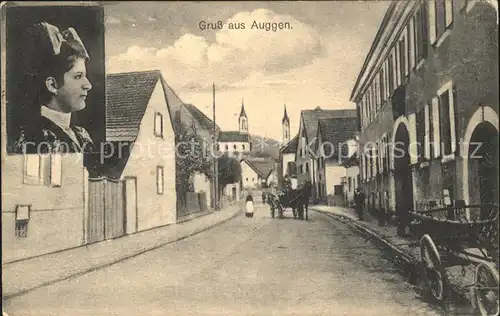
(130, 205)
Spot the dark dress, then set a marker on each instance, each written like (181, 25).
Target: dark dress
(47, 137)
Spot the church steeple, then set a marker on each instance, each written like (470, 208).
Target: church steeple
(285, 122)
(243, 119)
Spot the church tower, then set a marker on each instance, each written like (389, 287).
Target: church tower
(285, 123)
(243, 120)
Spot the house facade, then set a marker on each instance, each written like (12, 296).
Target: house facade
(352, 178)
(416, 87)
(305, 156)
(138, 119)
(257, 173)
(334, 144)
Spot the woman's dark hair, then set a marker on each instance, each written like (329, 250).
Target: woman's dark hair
(41, 63)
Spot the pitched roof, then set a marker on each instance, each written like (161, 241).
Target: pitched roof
(127, 96)
(291, 146)
(204, 121)
(311, 118)
(233, 136)
(337, 131)
(262, 167)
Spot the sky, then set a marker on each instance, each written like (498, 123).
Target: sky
(315, 63)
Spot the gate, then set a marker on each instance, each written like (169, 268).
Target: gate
(106, 217)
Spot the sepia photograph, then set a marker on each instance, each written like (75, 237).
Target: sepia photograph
(250, 157)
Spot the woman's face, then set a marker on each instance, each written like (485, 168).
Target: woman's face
(72, 94)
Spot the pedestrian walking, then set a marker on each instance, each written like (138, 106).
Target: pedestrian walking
(263, 197)
(249, 206)
(359, 200)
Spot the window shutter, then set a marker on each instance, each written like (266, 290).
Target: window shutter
(453, 119)
(449, 12)
(428, 136)
(411, 44)
(32, 169)
(445, 121)
(420, 134)
(432, 21)
(56, 170)
(436, 139)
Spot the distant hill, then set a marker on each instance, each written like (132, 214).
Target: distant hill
(264, 147)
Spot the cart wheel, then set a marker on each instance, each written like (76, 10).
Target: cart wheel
(486, 286)
(434, 270)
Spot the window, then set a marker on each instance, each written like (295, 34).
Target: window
(421, 29)
(447, 119)
(22, 219)
(247, 179)
(307, 167)
(382, 85)
(402, 58)
(56, 170)
(159, 180)
(440, 17)
(243, 146)
(359, 179)
(226, 147)
(234, 147)
(420, 134)
(158, 124)
(349, 183)
(391, 73)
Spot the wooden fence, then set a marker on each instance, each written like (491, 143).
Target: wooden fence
(106, 215)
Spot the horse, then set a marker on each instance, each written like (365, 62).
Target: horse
(297, 199)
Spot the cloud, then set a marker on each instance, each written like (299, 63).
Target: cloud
(112, 20)
(235, 57)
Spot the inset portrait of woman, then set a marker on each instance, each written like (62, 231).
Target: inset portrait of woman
(55, 67)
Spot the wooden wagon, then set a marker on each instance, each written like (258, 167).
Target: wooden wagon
(460, 235)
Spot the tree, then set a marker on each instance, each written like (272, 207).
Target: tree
(229, 171)
(191, 157)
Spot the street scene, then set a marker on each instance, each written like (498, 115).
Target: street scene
(257, 267)
(250, 158)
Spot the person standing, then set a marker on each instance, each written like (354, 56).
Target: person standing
(249, 206)
(359, 200)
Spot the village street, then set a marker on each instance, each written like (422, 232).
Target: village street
(257, 266)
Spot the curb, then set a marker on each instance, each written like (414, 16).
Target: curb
(381, 241)
(132, 255)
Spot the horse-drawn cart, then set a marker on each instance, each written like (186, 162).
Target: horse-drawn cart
(295, 199)
(460, 236)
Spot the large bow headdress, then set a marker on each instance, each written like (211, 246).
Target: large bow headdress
(58, 38)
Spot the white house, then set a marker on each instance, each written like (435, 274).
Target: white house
(334, 143)
(256, 173)
(139, 121)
